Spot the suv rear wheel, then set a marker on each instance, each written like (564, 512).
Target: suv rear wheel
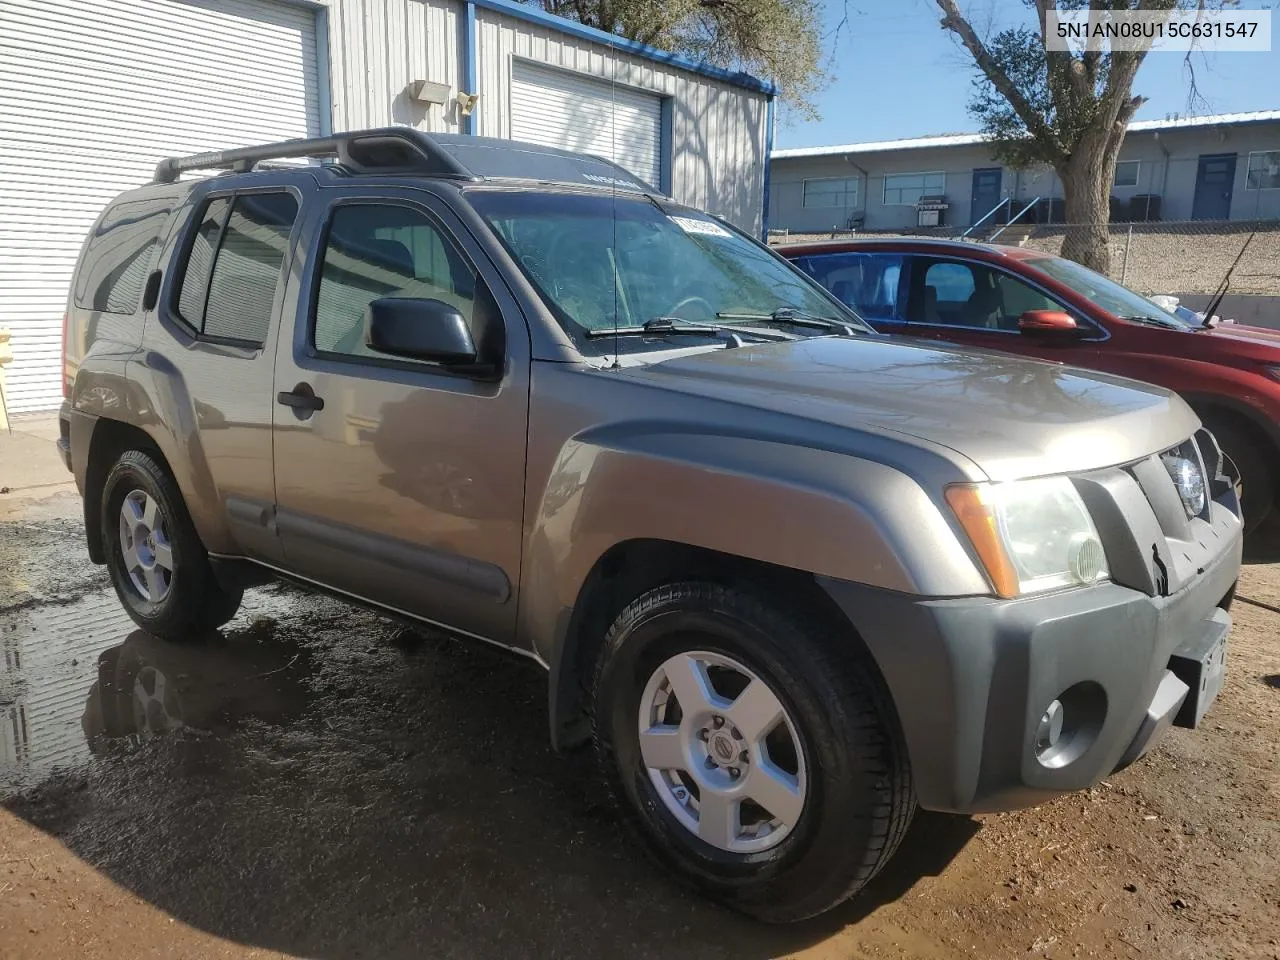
(157, 563)
(755, 747)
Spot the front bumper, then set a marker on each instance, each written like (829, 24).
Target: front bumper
(972, 678)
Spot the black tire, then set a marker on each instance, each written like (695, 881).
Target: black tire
(1257, 473)
(859, 800)
(196, 604)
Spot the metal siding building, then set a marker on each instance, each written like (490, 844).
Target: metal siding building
(1174, 160)
(93, 92)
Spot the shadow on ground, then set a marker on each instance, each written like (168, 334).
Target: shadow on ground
(322, 782)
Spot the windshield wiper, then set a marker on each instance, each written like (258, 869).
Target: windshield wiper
(675, 326)
(1171, 324)
(797, 318)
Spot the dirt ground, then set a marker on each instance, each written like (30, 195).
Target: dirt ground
(323, 783)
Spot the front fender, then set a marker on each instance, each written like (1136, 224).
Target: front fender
(780, 503)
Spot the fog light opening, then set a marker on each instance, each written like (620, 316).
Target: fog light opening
(1070, 724)
(1050, 727)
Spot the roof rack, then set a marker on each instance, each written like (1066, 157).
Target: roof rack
(386, 150)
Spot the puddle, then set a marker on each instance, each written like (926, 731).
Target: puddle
(77, 677)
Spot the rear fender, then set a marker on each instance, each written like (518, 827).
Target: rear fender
(148, 393)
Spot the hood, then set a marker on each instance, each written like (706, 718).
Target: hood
(1254, 336)
(1010, 416)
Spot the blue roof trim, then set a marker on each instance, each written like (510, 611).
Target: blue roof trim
(520, 11)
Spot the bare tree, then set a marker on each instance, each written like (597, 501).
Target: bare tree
(1062, 108)
(779, 39)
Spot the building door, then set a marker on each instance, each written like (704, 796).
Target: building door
(556, 108)
(986, 194)
(1215, 180)
(92, 94)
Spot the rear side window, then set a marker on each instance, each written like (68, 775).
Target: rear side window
(234, 266)
(867, 282)
(195, 278)
(117, 259)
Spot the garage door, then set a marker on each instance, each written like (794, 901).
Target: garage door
(559, 109)
(92, 94)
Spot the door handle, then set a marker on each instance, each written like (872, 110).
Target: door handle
(302, 399)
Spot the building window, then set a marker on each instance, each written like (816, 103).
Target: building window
(838, 192)
(1126, 173)
(906, 189)
(1264, 171)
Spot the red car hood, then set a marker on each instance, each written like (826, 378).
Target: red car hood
(1260, 336)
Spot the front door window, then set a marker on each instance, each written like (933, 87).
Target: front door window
(958, 293)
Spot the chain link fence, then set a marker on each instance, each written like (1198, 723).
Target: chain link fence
(1167, 257)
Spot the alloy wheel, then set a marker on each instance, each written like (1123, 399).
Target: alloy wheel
(722, 752)
(145, 547)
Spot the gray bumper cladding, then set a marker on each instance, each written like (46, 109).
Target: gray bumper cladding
(1007, 703)
(1169, 698)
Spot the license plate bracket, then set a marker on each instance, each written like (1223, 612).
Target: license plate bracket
(1201, 665)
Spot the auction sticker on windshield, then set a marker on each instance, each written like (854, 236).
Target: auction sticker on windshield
(694, 225)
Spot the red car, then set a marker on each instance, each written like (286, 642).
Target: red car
(1029, 302)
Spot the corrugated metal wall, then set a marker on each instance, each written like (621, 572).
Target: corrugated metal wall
(92, 94)
(377, 46)
(95, 91)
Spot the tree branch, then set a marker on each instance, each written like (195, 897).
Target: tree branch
(954, 21)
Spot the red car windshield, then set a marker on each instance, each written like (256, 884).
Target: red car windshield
(1107, 294)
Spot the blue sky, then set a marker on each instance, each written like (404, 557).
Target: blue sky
(898, 74)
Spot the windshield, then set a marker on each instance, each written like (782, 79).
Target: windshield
(1107, 294)
(601, 262)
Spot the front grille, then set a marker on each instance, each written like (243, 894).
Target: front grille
(1157, 486)
(1151, 543)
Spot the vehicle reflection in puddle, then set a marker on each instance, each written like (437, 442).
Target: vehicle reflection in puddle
(78, 678)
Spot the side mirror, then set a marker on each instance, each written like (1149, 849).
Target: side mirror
(1049, 322)
(419, 329)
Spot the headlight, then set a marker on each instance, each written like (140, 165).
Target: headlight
(1188, 480)
(1031, 535)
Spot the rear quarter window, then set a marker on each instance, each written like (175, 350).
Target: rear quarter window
(117, 258)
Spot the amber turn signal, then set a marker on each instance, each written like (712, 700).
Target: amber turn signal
(978, 518)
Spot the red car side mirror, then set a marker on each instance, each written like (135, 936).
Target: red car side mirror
(1048, 322)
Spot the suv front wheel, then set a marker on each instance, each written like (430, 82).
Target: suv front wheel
(158, 565)
(755, 746)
